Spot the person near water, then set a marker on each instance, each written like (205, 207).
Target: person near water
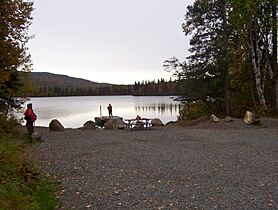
(110, 110)
(30, 118)
(139, 123)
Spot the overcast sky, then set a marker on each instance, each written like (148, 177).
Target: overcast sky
(114, 41)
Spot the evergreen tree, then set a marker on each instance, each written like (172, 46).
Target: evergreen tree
(207, 22)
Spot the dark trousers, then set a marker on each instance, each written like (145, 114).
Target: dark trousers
(30, 128)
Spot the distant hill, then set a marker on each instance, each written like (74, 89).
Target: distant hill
(46, 79)
(48, 84)
(45, 84)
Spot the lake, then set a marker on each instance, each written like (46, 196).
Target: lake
(73, 112)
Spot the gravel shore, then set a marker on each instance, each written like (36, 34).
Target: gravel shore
(208, 166)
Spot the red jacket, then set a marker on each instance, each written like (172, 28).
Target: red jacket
(30, 114)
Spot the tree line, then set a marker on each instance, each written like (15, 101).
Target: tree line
(49, 91)
(144, 88)
(161, 87)
(233, 61)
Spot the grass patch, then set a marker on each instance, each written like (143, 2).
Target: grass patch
(21, 184)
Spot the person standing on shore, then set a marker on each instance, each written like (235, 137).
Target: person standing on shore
(30, 118)
(110, 110)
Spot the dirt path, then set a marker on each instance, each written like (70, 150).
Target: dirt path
(224, 166)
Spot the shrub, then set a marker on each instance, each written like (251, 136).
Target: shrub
(21, 184)
(195, 111)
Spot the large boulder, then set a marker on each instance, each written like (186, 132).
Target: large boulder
(55, 125)
(118, 123)
(214, 119)
(156, 122)
(249, 118)
(100, 121)
(89, 125)
(109, 125)
(122, 126)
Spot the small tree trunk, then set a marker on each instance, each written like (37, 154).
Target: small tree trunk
(274, 59)
(257, 71)
(225, 66)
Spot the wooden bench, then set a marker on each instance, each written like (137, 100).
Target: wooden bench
(131, 123)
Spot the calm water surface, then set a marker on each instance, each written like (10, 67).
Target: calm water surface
(73, 112)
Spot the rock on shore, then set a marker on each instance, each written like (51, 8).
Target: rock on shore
(55, 125)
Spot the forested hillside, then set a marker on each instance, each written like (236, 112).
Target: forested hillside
(48, 84)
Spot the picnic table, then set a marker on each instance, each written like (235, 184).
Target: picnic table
(132, 123)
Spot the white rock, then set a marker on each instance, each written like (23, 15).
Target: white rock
(215, 119)
(228, 119)
(249, 118)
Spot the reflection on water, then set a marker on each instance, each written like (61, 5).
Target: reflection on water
(75, 111)
(161, 109)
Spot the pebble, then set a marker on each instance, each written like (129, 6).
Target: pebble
(172, 167)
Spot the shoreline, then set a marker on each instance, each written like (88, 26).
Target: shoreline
(237, 123)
